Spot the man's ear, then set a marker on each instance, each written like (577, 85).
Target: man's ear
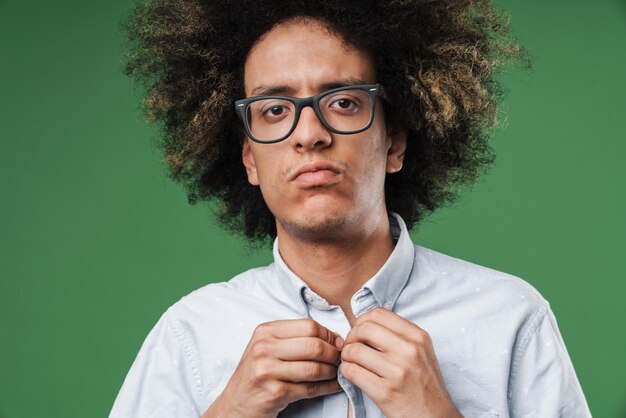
(396, 150)
(249, 163)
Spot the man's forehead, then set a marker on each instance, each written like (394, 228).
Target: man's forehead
(303, 56)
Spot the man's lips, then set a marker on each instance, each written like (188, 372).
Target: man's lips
(319, 173)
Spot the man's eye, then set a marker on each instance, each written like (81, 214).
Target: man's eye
(344, 104)
(276, 110)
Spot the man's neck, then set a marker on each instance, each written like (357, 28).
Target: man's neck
(336, 269)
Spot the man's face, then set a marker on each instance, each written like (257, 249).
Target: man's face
(318, 184)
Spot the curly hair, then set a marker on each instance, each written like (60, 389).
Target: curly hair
(436, 58)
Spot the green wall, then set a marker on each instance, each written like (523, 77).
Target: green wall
(96, 242)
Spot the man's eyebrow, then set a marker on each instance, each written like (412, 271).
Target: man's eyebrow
(286, 90)
(270, 90)
(346, 82)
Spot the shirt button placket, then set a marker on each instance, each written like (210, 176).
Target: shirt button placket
(333, 318)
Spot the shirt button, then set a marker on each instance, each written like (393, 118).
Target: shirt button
(308, 297)
(388, 305)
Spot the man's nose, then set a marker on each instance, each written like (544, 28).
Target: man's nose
(310, 133)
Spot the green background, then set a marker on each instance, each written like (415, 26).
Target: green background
(96, 242)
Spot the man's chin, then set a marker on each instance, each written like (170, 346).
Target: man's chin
(317, 226)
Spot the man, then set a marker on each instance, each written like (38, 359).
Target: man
(354, 120)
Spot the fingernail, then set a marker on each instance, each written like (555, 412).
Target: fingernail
(338, 342)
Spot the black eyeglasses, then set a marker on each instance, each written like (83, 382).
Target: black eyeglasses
(343, 110)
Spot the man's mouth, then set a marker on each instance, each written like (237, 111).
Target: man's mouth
(319, 173)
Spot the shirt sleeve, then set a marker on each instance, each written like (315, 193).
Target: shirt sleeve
(543, 382)
(163, 381)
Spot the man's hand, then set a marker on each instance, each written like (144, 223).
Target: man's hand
(393, 361)
(284, 361)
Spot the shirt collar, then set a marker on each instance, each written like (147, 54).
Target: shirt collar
(386, 285)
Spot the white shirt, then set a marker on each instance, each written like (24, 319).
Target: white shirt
(496, 340)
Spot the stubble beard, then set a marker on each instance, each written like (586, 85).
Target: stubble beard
(332, 227)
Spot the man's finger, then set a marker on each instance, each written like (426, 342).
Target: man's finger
(393, 322)
(314, 389)
(375, 335)
(364, 379)
(306, 348)
(291, 328)
(369, 358)
(303, 371)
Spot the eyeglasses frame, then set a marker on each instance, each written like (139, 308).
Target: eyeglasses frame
(374, 91)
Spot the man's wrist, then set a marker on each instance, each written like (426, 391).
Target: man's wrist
(219, 410)
(214, 410)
